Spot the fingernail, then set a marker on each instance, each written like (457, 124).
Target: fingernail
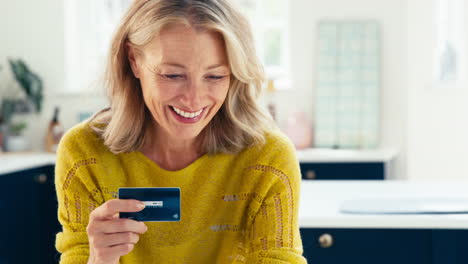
(141, 205)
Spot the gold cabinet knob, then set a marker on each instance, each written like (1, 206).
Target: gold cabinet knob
(310, 174)
(325, 240)
(42, 178)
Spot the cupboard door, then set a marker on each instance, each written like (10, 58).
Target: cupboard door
(47, 217)
(450, 246)
(29, 222)
(343, 171)
(367, 246)
(18, 221)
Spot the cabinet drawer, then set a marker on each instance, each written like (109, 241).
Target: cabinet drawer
(367, 246)
(385, 246)
(30, 217)
(343, 171)
(450, 246)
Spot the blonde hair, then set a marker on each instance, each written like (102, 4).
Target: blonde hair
(239, 123)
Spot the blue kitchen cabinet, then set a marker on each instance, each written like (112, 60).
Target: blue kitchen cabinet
(385, 246)
(342, 170)
(29, 216)
(450, 246)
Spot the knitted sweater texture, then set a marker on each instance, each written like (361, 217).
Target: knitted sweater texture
(239, 208)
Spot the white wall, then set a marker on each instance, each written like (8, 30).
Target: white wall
(392, 15)
(35, 33)
(437, 117)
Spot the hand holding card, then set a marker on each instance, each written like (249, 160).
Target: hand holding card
(162, 204)
(110, 237)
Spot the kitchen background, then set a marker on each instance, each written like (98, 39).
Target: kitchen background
(425, 122)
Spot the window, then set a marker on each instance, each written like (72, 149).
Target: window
(449, 51)
(270, 23)
(89, 25)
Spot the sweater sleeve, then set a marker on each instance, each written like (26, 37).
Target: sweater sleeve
(274, 237)
(77, 196)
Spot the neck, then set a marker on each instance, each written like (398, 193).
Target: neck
(171, 153)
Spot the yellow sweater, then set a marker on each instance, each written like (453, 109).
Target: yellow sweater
(235, 208)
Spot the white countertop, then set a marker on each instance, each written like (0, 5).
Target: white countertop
(345, 155)
(321, 200)
(11, 162)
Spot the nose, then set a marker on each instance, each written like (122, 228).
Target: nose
(193, 95)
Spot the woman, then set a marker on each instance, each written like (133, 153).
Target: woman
(182, 80)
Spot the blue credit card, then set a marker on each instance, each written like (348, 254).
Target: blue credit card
(162, 204)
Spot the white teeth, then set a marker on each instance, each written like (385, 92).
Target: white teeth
(187, 114)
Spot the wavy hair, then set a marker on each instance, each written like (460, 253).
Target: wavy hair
(239, 123)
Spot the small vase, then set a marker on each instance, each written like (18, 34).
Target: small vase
(299, 129)
(17, 143)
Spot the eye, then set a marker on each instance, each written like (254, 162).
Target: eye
(215, 77)
(173, 76)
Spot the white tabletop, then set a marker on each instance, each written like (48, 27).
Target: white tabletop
(12, 162)
(345, 155)
(321, 201)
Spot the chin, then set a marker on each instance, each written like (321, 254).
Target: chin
(187, 134)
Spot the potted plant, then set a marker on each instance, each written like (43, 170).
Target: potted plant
(19, 101)
(30, 82)
(16, 141)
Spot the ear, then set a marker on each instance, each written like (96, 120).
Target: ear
(133, 56)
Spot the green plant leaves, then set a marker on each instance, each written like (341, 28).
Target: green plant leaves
(29, 81)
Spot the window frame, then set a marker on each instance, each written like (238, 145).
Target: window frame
(87, 37)
(260, 23)
(452, 31)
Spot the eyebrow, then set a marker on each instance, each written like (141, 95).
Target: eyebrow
(182, 66)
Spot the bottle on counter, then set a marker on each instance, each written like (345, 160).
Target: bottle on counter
(2, 133)
(54, 133)
(270, 91)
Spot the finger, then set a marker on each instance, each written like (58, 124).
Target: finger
(115, 239)
(120, 225)
(109, 253)
(122, 250)
(110, 208)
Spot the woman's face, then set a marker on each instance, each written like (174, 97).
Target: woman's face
(185, 78)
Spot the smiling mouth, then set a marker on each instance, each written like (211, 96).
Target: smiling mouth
(185, 114)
